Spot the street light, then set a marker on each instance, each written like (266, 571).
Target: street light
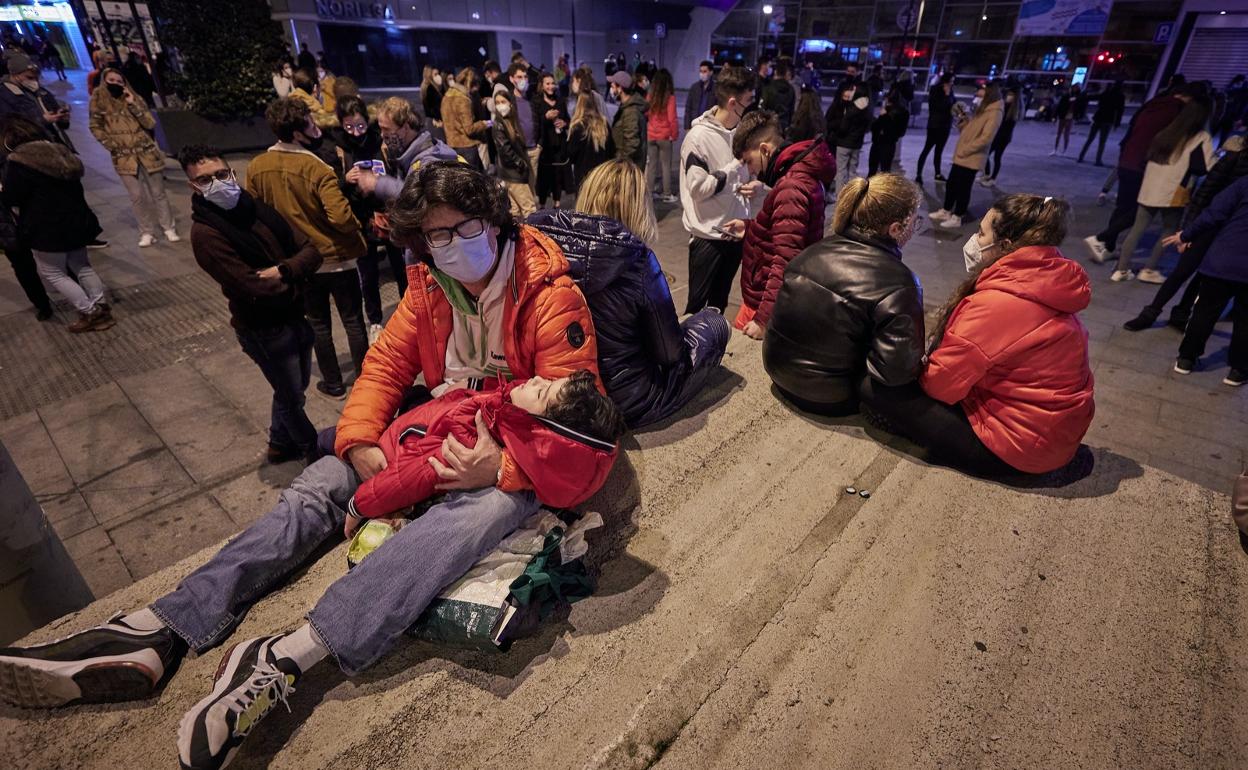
(767, 9)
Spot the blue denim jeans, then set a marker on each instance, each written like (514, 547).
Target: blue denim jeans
(284, 355)
(366, 610)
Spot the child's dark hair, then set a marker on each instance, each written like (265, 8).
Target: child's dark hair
(583, 408)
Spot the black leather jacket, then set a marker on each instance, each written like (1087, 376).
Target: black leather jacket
(848, 305)
(642, 350)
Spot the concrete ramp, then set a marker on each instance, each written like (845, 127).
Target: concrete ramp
(752, 614)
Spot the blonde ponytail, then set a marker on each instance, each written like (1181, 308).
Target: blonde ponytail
(871, 205)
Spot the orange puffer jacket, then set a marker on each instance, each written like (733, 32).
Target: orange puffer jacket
(549, 334)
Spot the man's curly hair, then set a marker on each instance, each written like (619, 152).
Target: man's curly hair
(286, 116)
(454, 185)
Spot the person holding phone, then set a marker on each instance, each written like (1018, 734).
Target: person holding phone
(23, 95)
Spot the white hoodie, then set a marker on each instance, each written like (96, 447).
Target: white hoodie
(709, 176)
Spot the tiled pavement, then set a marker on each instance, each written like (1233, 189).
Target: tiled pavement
(144, 443)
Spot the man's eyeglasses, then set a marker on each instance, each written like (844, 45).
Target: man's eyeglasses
(442, 236)
(203, 180)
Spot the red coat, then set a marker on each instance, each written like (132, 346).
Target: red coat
(1016, 357)
(563, 467)
(791, 218)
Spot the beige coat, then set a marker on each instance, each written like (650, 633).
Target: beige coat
(977, 136)
(124, 130)
(457, 118)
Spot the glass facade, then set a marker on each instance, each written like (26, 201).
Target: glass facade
(972, 39)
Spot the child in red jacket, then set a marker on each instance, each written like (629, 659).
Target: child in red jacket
(560, 433)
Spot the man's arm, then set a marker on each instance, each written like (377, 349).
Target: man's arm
(335, 204)
(701, 180)
(214, 253)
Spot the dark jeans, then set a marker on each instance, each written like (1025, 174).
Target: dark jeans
(1123, 216)
(881, 157)
(1214, 294)
(1188, 264)
(942, 429)
(1101, 129)
(369, 267)
(936, 138)
(993, 169)
(284, 355)
(23, 263)
(958, 189)
(344, 287)
(712, 268)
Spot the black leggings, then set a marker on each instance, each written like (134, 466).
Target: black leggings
(936, 138)
(958, 189)
(1188, 264)
(943, 430)
(994, 160)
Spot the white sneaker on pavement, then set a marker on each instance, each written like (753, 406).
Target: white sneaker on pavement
(939, 215)
(146, 239)
(172, 236)
(374, 331)
(1096, 249)
(1121, 275)
(1148, 275)
(951, 222)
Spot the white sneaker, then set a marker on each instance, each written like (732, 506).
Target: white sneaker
(1100, 199)
(374, 331)
(146, 239)
(172, 236)
(987, 181)
(1121, 275)
(936, 216)
(951, 222)
(1097, 249)
(1148, 275)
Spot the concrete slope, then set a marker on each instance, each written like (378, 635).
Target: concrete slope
(753, 614)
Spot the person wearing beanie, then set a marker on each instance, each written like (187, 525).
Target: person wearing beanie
(22, 95)
(629, 128)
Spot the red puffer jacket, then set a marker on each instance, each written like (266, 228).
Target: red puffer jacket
(564, 467)
(1016, 357)
(790, 219)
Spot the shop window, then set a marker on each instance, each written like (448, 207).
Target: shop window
(993, 22)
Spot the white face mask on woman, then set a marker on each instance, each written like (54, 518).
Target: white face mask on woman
(502, 108)
(973, 253)
(467, 260)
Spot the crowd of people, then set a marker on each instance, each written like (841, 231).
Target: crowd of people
(530, 334)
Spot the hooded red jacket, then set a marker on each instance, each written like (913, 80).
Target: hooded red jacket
(1016, 357)
(564, 467)
(791, 218)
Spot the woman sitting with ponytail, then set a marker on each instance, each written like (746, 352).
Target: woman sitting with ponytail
(1007, 387)
(848, 307)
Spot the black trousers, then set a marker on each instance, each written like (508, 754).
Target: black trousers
(1188, 264)
(881, 157)
(23, 263)
(937, 136)
(1098, 129)
(1123, 216)
(712, 268)
(1214, 294)
(994, 159)
(344, 288)
(958, 189)
(941, 429)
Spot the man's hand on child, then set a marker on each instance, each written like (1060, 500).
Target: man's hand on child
(465, 468)
(368, 461)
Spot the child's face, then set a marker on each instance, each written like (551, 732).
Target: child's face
(537, 394)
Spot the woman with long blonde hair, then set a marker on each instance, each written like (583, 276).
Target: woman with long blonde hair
(651, 364)
(589, 137)
(848, 307)
(432, 87)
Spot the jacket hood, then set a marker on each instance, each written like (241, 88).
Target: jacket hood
(1040, 274)
(811, 157)
(48, 158)
(425, 149)
(708, 119)
(598, 249)
(101, 99)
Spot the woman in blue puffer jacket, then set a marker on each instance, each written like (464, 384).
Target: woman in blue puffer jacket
(651, 364)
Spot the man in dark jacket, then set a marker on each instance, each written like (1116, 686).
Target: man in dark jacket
(21, 94)
(1108, 116)
(701, 94)
(261, 263)
(1156, 114)
(779, 96)
(629, 128)
(848, 120)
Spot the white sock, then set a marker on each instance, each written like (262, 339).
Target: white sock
(143, 620)
(303, 646)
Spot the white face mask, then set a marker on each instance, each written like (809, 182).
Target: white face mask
(522, 85)
(704, 76)
(223, 194)
(467, 260)
(576, 87)
(976, 101)
(503, 108)
(973, 253)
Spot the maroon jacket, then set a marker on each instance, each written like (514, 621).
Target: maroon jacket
(1155, 115)
(790, 219)
(562, 466)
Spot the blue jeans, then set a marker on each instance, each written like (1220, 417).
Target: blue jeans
(366, 610)
(284, 355)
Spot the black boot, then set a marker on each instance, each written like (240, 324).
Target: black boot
(1144, 320)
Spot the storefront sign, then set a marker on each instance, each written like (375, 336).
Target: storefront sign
(354, 9)
(1063, 17)
(56, 13)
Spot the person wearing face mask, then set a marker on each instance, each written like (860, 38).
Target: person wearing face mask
(701, 95)
(848, 121)
(790, 219)
(848, 309)
(1007, 387)
(977, 132)
(121, 122)
(22, 95)
(714, 191)
(630, 126)
(293, 179)
(464, 131)
(406, 144)
(512, 167)
(283, 82)
(261, 263)
(432, 87)
(527, 116)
